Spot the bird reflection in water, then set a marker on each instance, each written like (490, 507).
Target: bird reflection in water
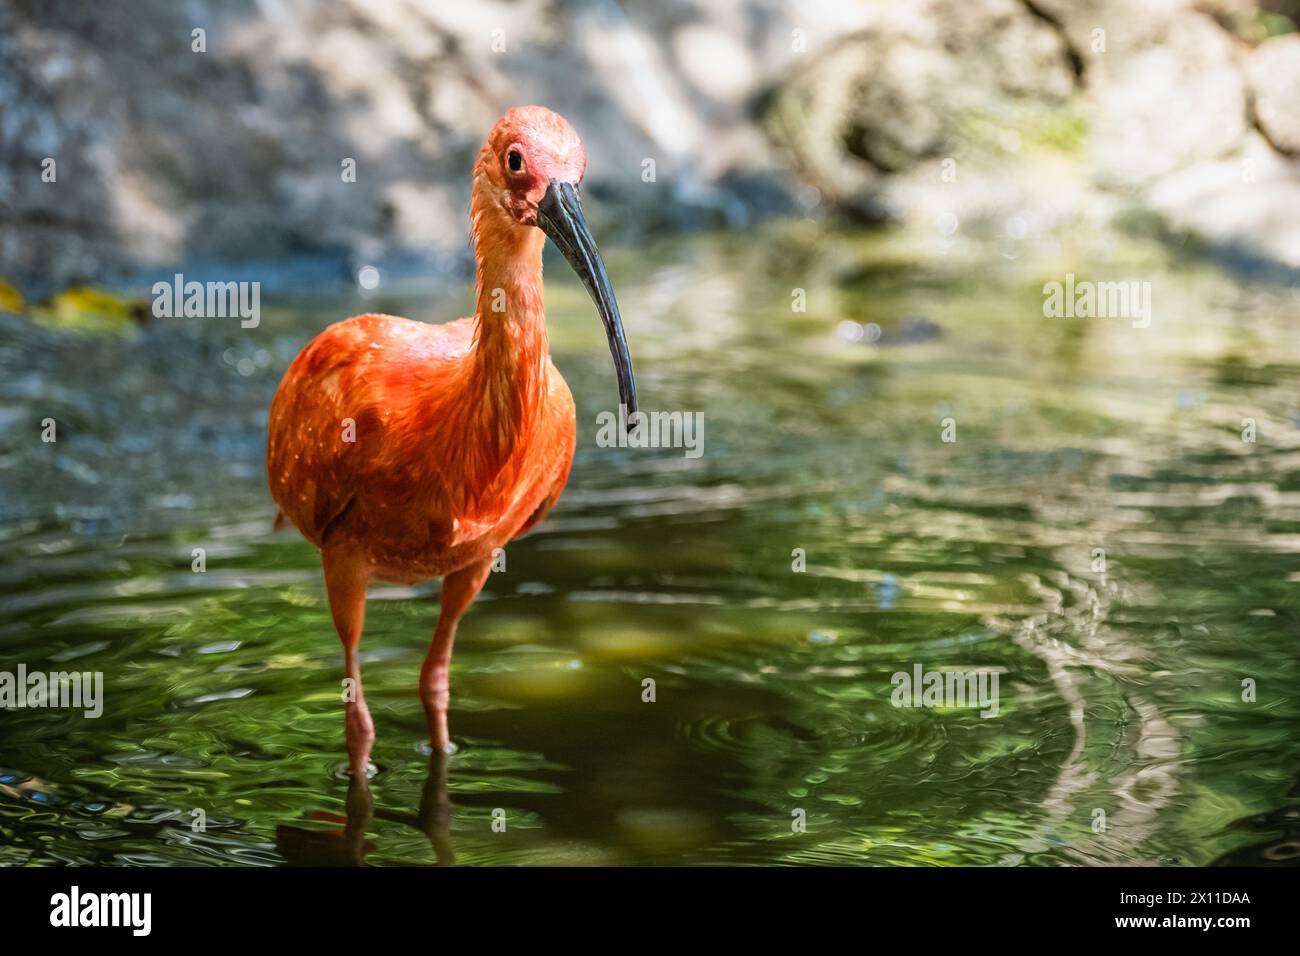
(301, 846)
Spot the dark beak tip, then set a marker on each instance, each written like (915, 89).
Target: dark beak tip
(559, 215)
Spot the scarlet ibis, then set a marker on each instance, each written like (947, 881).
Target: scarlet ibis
(406, 451)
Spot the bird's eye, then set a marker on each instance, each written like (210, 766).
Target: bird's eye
(515, 160)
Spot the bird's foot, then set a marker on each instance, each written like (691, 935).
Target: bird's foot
(431, 749)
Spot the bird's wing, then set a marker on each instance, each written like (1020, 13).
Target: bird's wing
(337, 423)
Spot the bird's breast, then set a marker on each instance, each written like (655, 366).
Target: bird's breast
(378, 445)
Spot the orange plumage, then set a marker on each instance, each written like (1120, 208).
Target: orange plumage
(406, 451)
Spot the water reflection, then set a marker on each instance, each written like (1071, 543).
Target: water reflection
(1123, 734)
(302, 846)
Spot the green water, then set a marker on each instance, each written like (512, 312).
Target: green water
(1120, 690)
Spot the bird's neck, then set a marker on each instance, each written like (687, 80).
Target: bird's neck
(507, 368)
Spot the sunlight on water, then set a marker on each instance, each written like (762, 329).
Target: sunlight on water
(1120, 686)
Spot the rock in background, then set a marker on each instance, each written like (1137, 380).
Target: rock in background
(981, 118)
(1016, 118)
(168, 155)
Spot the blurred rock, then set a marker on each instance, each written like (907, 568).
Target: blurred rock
(62, 220)
(1274, 72)
(1169, 106)
(1249, 205)
(1103, 33)
(166, 154)
(1008, 121)
(904, 89)
(1029, 114)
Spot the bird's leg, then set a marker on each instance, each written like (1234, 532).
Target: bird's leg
(458, 590)
(345, 580)
(358, 728)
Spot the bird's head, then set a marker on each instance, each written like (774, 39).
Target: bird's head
(528, 150)
(530, 167)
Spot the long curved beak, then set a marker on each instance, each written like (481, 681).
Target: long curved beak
(559, 215)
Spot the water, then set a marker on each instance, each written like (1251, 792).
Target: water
(1120, 690)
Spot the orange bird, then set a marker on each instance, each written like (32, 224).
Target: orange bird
(406, 451)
